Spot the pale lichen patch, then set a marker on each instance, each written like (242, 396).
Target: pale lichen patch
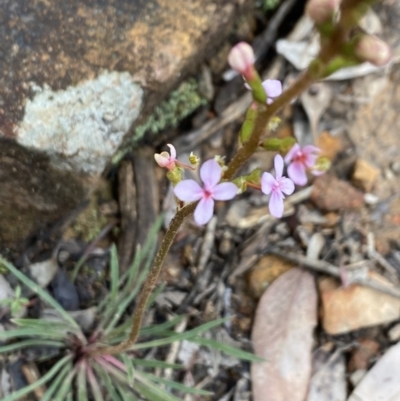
(80, 128)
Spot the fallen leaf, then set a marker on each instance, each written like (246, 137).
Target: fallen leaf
(328, 382)
(381, 383)
(283, 334)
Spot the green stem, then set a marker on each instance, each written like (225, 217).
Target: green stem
(316, 71)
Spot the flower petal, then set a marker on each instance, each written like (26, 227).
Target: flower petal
(278, 164)
(309, 149)
(173, 151)
(225, 191)
(188, 191)
(286, 185)
(161, 160)
(292, 153)
(267, 183)
(272, 87)
(210, 173)
(276, 204)
(204, 211)
(297, 173)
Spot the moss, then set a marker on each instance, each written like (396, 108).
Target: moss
(179, 104)
(269, 5)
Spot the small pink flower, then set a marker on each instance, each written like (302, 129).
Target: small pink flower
(164, 159)
(241, 58)
(272, 87)
(191, 191)
(276, 186)
(301, 158)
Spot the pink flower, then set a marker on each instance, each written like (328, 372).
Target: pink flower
(276, 186)
(272, 87)
(164, 159)
(191, 191)
(301, 158)
(241, 58)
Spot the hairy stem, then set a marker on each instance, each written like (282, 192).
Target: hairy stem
(331, 48)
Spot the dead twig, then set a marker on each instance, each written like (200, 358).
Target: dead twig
(322, 266)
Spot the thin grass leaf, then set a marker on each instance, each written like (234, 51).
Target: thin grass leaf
(181, 336)
(147, 363)
(27, 332)
(69, 396)
(31, 343)
(175, 385)
(43, 324)
(119, 334)
(129, 367)
(81, 383)
(114, 273)
(127, 395)
(65, 387)
(94, 384)
(116, 373)
(154, 295)
(228, 349)
(42, 294)
(150, 391)
(44, 379)
(57, 382)
(129, 277)
(106, 380)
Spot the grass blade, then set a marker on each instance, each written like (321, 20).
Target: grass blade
(228, 349)
(175, 385)
(31, 343)
(27, 332)
(129, 367)
(81, 382)
(94, 384)
(106, 380)
(114, 273)
(65, 387)
(57, 382)
(151, 391)
(42, 294)
(44, 379)
(182, 336)
(146, 363)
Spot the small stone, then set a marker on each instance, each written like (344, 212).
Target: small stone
(362, 355)
(332, 194)
(357, 376)
(315, 245)
(330, 145)
(331, 219)
(394, 333)
(44, 272)
(364, 175)
(267, 269)
(354, 307)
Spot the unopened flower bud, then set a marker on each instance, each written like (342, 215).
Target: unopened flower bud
(193, 159)
(241, 58)
(321, 11)
(376, 51)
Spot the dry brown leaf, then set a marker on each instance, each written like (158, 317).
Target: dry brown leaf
(283, 334)
(381, 383)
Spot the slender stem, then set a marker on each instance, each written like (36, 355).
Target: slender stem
(328, 52)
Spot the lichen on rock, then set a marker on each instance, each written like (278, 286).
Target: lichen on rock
(81, 127)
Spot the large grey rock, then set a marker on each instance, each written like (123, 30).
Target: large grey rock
(73, 79)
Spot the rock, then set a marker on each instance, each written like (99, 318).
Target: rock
(267, 269)
(69, 97)
(362, 356)
(364, 175)
(44, 272)
(394, 333)
(64, 291)
(332, 194)
(354, 307)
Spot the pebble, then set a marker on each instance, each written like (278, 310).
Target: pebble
(365, 175)
(331, 194)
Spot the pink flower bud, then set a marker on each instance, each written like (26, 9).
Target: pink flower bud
(241, 59)
(321, 11)
(376, 51)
